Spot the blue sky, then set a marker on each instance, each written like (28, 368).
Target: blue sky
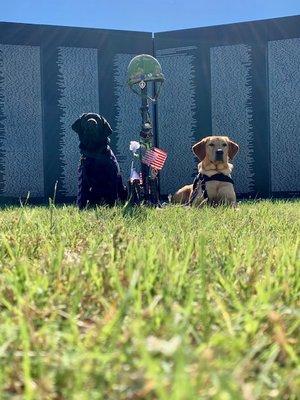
(144, 15)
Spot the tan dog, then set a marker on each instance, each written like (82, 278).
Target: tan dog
(213, 153)
(182, 196)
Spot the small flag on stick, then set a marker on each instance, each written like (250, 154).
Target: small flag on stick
(155, 158)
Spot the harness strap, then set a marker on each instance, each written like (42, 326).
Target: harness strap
(202, 179)
(195, 186)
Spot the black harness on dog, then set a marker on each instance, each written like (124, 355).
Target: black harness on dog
(201, 179)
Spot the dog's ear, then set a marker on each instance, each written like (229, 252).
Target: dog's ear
(106, 127)
(199, 149)
(77, 124)
(233, 149)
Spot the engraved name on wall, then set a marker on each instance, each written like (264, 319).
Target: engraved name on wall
(232, 107)
(21, 140)
(284, 103)
(78, 93)
(176, 117)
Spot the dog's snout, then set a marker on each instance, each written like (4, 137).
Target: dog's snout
(91, 122)
(91, 125)
(219, 155)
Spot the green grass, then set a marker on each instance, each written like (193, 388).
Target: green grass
(176, 303)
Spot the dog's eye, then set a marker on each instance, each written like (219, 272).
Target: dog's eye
(224, 144)
(211, 144)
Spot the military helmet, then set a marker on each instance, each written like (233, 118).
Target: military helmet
(144, 68)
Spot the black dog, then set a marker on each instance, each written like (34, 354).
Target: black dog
(99, 180)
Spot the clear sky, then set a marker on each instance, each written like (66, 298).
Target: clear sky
(144, 15)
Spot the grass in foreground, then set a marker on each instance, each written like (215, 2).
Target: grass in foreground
(161, 304)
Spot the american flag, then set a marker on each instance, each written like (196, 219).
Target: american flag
(155, 158)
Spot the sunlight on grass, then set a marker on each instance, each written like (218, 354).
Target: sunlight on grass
(156, 304)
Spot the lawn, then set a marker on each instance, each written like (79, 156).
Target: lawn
(169, 304)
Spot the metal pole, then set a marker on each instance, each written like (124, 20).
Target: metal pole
(150, 183)
(146, 138)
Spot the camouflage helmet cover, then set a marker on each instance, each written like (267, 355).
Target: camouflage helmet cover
(144, 68)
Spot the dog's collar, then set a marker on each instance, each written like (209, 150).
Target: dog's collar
(202, 179)
(99, 153)
(216, 177)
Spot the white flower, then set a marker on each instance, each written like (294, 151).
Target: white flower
(134, 146)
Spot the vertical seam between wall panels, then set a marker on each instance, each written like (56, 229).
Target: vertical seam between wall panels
(155, 122)
(155, 112)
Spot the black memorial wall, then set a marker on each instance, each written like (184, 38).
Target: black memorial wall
(48, 77)
(240, 80)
